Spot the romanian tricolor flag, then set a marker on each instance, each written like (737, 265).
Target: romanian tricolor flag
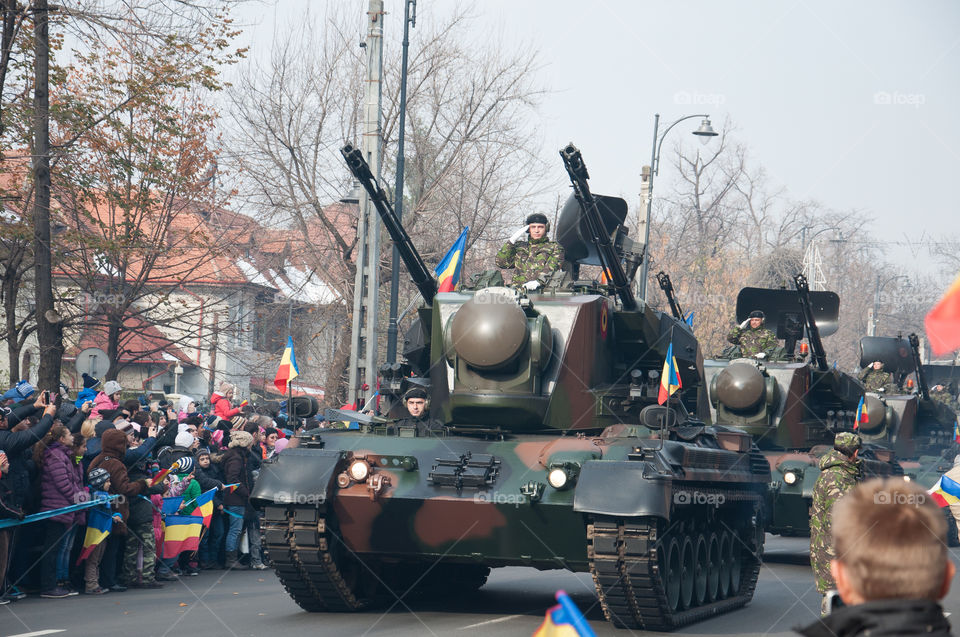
(204, 504)
(943, 322)
(956, 430)
(181, 533)
(171, 505)
(670, 378)
(99, 524)
(230, 488)
(945, 492)
(862, 417)
(157, 479)
(564, 620)
(288, 368)
(448, 271)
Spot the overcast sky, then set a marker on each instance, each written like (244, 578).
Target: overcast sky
(853, 104)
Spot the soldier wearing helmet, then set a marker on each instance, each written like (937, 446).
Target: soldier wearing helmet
(752, 337)
(534, 259)
(874, 378)
(415, 400)
(840, 470)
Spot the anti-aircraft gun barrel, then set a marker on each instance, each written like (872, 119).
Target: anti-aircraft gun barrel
(921, 376)
(813, 333)
(421, 276)
(667, 286)
(609, 259)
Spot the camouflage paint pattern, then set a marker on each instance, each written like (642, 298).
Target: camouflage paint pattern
(874, 379)
(838, 475)
(531, 260)
(752, 341)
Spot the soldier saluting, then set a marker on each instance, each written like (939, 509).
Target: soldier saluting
(534, 259)
(873, 377)
(751, 336)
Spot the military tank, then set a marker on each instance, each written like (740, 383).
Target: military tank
(554, 454)
(792, 402)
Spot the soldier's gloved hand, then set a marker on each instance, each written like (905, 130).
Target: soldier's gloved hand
(519, 233)
(532, 285)
(745, 324)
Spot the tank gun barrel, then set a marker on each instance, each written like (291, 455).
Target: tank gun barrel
(609, 259)
(667, 286)
(421, 276)
(813, 333)
(921, 375)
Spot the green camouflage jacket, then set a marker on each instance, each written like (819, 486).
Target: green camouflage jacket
(532, 260)
(838, 474)
(943, 396)
(752, 341)
(874, 379)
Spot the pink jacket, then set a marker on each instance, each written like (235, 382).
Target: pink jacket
(102, 401)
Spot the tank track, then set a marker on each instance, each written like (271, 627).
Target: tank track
(627, 564)
(304, 555)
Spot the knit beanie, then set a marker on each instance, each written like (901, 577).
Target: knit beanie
(240, 439)
(89, 382)
(184, 439)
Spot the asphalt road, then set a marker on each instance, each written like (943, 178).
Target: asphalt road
(513, 602)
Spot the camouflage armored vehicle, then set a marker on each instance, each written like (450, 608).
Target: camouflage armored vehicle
(554, 452)
(793, 404)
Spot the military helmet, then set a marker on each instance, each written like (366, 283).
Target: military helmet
(847, 442)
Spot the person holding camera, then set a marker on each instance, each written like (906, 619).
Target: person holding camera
(840, 470)
(535, 259)
(891, 566)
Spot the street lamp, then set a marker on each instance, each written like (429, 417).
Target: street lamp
(705, 132)
(876, 300)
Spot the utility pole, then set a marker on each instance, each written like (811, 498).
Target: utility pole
(409, 19)
(363, 343)
(49, 328)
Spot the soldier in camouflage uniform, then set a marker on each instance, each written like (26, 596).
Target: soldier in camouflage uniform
(840, 470)
(944, 394)
(751, 337)
(873, 377)
(534, 259)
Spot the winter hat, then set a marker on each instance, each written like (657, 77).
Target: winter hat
(238, 422)
(184, 439)
(89, 382)
(123, 425)
(102, 426)
(183, 465)
(111, 387)
(240, 439)
(98, 477)
(202, 451)
(225, 387)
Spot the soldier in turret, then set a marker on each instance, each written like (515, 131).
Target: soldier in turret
(840, 470)
(534, 259)
(752, 337)
(415, 401)
(945, 394)
(873, 377)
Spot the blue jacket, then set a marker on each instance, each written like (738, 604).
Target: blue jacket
(85, 394)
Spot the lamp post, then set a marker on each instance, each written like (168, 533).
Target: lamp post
(705, 132)
(876, 301)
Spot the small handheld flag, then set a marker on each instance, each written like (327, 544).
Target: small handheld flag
(181, 533)
(862, 417)
(204, 504)
(669, 378)
(564, 620)
(945, 492)
(231, 487)
(448, 270)
(157, 479)
(956, 430)
(288, 368)
(171, 505)
(99, 525)
(689, 319)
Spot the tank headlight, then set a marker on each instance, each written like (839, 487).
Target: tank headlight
(563, 475)
(557, 478)
(790, 477)
(359, 470)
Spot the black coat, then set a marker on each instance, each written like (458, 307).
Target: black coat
(17, 446)
(900, 617)
(236, 469)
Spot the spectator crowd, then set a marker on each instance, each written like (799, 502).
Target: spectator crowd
(57, 452)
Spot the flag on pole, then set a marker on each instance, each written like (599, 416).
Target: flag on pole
(689, 319)
(231, 487)
(171, 505)
(956, 430)
(181, 533)
(99, 524)
(862, 417)
(943, 322)
(670, 378)
(448, 270)
(945, 492)
(204, 504)
(288, 368)
(564, 620)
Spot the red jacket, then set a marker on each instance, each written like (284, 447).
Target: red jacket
(222, 407)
